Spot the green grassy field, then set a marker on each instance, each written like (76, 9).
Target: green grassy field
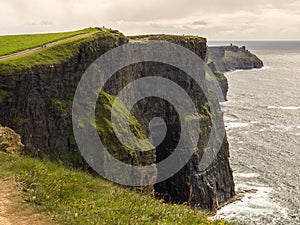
(75, 197)
(15, 43)
(52, 55)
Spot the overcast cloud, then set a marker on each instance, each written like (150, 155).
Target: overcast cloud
(214, 19)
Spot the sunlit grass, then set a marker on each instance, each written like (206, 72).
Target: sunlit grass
(15, 43)
(74, 197)
(53, 55)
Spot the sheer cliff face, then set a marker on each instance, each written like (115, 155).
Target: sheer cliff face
(38, 100)
(229, 58)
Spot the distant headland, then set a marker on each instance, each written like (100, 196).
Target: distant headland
(229, 58)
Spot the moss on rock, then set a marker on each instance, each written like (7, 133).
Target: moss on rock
(10, 141)
(108, 137)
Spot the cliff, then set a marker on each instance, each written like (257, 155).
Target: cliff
(228, 58)
(36, 99)
(221, 78)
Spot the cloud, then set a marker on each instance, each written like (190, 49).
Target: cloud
(40, 23)
(200, 22)
(216, 19)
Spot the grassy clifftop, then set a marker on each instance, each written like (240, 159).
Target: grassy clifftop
(50, 55)
(61, 52)
(15, 43)
(167, 37)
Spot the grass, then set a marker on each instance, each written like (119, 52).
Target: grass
(60, 53)
(64, 105)
(3, 95)
(105, 127)
(16, 43)
(105, 130)
(167, 37)
(52, 55)
(75, 197)
(217, 75)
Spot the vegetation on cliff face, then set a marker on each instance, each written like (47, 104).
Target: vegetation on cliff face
(3, 95)
(105, 130)
(219, 76)
(228, 58)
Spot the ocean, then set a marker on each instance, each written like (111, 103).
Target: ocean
(262, 119)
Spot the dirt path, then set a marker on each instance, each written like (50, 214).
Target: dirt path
(13, 210)
(28, 51)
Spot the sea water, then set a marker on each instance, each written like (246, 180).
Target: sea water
(262, 119)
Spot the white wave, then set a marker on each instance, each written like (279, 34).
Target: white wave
(230, 118)
(284, 107)
(254, 205)
(246, 175)
(266, 68)
(236, 125)
(223, 104)
(284, 127)
(262, 129)
(245, 70)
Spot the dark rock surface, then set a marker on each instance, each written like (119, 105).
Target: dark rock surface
(38, 100)
(221, 78)
(228, 58)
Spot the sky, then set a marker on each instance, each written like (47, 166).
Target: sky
(213, 19)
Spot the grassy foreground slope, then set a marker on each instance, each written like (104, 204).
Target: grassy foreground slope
(75, 197)
(72, 196)
(15, 43)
